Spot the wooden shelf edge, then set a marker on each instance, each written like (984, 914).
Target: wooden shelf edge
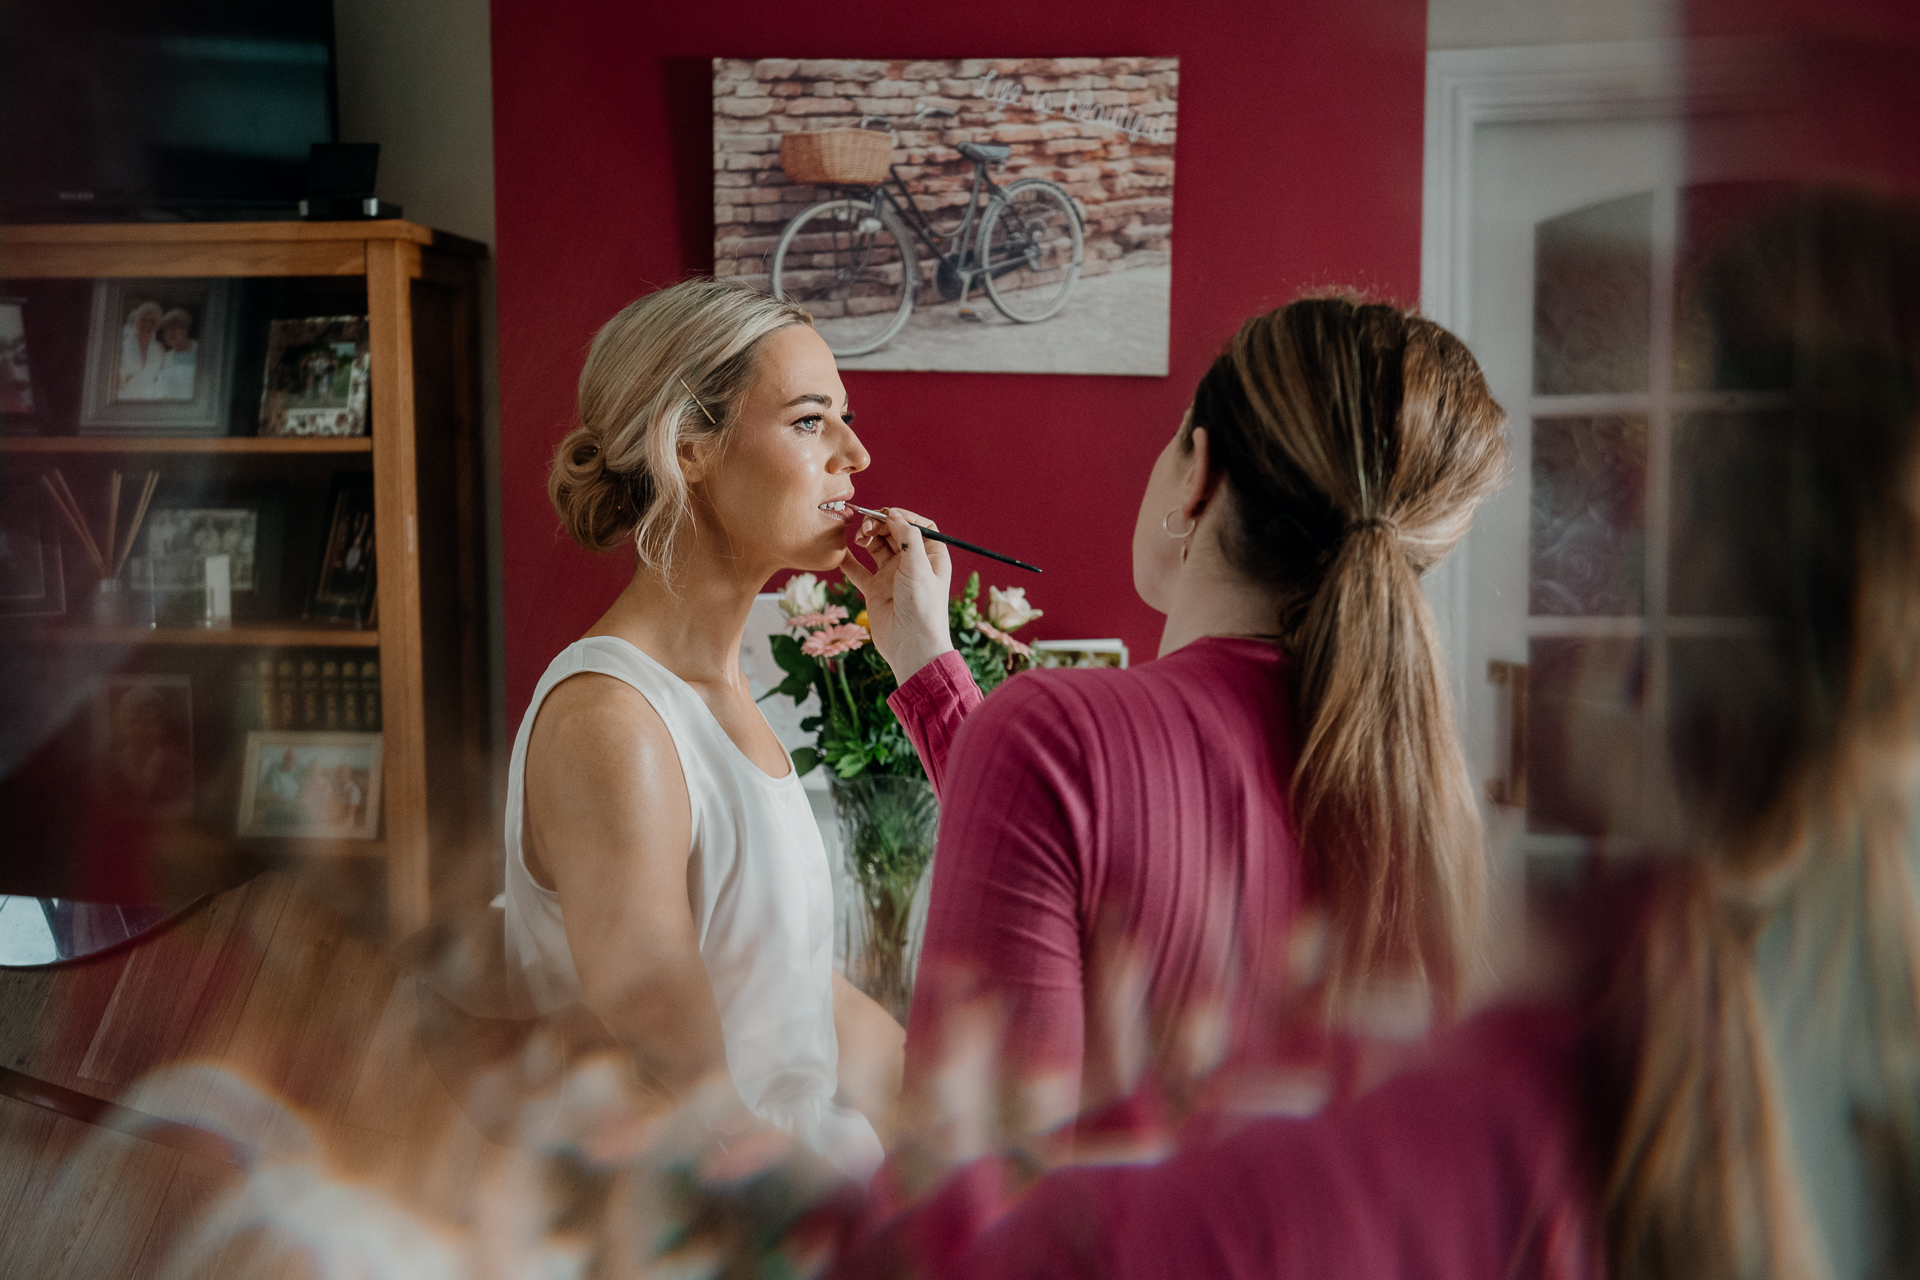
(215, 232)
(289, 231)
(186, 444)
(236, 637)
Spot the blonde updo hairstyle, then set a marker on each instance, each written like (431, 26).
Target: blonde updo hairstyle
(672, 369)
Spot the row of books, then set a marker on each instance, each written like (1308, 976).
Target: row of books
(320, 690)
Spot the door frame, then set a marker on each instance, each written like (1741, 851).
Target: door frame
(1536, 84)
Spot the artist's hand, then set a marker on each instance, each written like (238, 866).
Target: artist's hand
(906, 590)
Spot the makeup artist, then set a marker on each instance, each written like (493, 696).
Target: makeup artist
(663, 866)
(1707, 1064)
(1136, 849)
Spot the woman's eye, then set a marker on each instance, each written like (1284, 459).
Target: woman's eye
(810, 423)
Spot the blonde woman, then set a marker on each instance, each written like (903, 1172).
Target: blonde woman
(663, 866)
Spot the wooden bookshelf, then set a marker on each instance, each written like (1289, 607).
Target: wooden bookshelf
(425, 457)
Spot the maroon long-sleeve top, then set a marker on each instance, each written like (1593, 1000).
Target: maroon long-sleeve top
(1116, 850)
(1117, 873)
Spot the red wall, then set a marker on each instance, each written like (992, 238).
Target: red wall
(1299, 158)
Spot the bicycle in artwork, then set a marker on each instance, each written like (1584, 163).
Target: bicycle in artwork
(854, 261)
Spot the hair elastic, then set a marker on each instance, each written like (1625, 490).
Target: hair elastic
(696, 400)
(1375, 522)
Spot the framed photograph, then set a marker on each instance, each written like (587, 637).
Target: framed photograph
(1024, 221)
(21, 407)
(311, 784)
(143, 744)
(1080, 653)
(179, 543)
(179, 539)
(316, 380)
(159, 358)
(32, 580)
(344, 589)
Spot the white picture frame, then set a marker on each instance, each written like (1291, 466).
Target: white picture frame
(1050, 654)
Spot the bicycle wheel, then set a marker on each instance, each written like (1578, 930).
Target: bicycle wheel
(850, 264)
(1032, 246)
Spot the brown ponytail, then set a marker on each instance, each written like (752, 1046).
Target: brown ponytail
(1357, 440)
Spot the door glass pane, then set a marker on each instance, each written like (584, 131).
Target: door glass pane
(1593, 290)
(1730, 513)
(1742, 285)
(1587, 541)
(1584, 734)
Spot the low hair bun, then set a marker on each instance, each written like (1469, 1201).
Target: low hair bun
(594, 502)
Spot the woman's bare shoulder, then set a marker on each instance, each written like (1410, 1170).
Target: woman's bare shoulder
(604, 787)
(592, 721)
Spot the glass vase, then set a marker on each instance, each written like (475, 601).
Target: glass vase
(889, 823)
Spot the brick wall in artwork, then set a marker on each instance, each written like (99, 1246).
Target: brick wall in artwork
(1103, 128)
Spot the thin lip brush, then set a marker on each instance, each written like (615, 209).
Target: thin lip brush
(951, 541)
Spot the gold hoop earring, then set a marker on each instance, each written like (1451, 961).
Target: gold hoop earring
(1166, 522)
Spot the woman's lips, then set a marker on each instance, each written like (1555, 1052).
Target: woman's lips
(840, 510)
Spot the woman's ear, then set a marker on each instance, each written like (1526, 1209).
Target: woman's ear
(695, 459)
(1200, 482)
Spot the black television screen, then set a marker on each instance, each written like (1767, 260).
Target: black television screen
(184, 108)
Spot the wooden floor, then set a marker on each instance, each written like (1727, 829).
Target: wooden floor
(306, 1029)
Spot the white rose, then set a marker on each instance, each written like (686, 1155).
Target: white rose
(1009, 609)
(803, 593)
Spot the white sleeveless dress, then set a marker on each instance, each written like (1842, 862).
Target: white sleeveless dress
(762, 900)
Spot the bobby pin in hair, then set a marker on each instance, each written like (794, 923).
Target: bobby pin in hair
(696, 400)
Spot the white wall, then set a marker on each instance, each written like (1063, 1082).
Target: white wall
(416, 76)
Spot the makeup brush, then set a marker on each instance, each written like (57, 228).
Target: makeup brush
(951, 541)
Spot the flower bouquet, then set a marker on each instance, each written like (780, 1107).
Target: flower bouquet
(879, 788)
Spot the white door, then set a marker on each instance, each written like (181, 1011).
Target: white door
(1585, 611)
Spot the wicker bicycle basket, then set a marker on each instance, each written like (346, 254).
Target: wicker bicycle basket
(846, 157)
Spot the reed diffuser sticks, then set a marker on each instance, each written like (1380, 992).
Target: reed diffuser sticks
(105, 564)
(139, 514)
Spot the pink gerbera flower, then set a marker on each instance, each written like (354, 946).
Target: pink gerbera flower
(992, 632)
(815, 621)
(831, 642)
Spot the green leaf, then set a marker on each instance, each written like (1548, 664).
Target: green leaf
(804, 760)
(809, 724)
(786, 652)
